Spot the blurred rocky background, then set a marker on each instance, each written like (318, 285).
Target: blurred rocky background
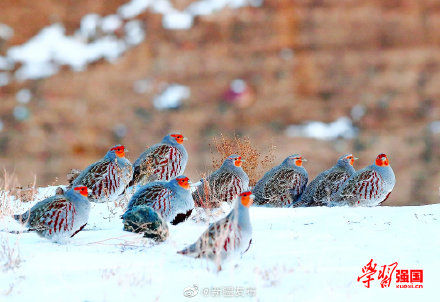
(317, 77)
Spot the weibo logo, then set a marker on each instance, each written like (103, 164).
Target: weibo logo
(191, 291)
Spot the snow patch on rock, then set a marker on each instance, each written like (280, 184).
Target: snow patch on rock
(341, 128)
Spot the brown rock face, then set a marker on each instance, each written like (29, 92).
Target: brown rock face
(302, 60)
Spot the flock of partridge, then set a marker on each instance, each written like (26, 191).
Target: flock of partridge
(159, 184)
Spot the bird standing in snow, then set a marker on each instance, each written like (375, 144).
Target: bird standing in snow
(171, 199)
(59, 217)
(227, 236)
(223, 185)
(107, 178)
(367, 187)
(161, 162)
(282, 185)
(319, 190)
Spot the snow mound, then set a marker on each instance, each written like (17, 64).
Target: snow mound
(301, 254)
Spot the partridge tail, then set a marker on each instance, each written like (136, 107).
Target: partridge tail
(136, 175)
(22, 218)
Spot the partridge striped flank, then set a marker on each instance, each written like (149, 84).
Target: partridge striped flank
(283, 185)
(107, 178)
(223, 185)
(367, 187)
(171, 199)
(229, 236)
(58, 217)
(327, 183)
(161, 162)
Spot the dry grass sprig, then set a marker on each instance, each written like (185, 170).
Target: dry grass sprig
(256, 162)
(6, 196)
(204, 196)
(9, 255)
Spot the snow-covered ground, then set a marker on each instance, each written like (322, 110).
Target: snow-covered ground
(303, 254)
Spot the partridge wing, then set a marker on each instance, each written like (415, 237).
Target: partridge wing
(226, 186)
(217, 237)
(279, 184)
(55, 216)
(156, 196)
(101, 178)
(329, 185)
(362, 186)
(285, 186)
(161, 162)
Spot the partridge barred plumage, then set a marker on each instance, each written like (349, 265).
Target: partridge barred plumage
(320, 190)
(283, 185)
(223, 185)
(228, 236)
(107, 178)
(161, 162)
(367, 187)
(58, 217)
(171, 199)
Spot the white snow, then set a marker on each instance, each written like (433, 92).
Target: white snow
(134, 32)
(111, 23)
(341, 128)
(172, 97)
(6, 32)
(238, 86)
(20, 113)
(50, 48)
(207, 7)
(89, 25)
(23, 96)
(43, 54)
(177, 20)
(133, 8)
(5, 63)
(4, 78)
(302, 254)
(434, 127)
